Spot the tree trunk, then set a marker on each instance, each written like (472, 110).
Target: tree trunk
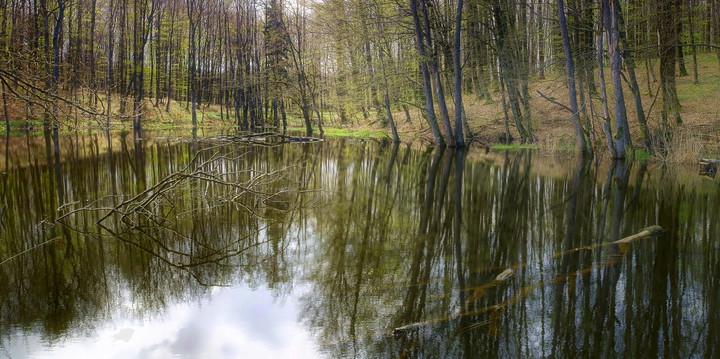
(622, 139)
(679, 31)
(459, 139)
(667, 18)
(91, 55)
(435, 72)
(110, 75)
(192, 65)
(634, 86)
(427, 86)
(607, 129)
(56, 44)
(570, 73)
(693, 49)
(388, 111)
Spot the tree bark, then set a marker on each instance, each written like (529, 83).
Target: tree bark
(622, 139)
(667, 19)
(435, 72)
(570, 73)
(427, 86)
(457, 65)
(634, 86)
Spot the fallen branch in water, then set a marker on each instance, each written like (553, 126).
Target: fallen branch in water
(30, 249)
(707, 161)
(507, 274)
(651, 231)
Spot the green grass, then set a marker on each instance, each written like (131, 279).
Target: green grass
(642, 155)
(344, 132)
(359, 133)
(707, 88)
(514, 146)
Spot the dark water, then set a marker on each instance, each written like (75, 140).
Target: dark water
(322, 250)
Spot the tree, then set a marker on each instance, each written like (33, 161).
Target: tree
(667, 19)
(582, 142)
(425, 74)
(277, 47)
(457, 66)
(194, 14)
(610, 11)
(512, 70)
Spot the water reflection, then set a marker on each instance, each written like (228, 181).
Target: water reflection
(397, 256)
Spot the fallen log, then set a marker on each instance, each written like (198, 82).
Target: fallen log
(707, 161)
(651, 231)
(504, 276)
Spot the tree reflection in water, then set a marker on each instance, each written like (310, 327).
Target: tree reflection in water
(397, 256)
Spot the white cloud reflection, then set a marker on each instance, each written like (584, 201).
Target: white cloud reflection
(235, 322)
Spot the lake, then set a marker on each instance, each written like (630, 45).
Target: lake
(227, 247)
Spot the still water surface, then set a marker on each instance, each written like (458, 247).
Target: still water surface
(210, 248)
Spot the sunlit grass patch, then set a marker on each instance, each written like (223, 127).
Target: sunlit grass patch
(515, 146)
(357, 133)
(343, 132)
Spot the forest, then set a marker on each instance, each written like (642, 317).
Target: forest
(353, 63)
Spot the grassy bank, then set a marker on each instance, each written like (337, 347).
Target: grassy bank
(698, 136)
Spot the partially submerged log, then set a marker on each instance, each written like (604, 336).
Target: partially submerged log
(505, 275)
(708, 167)
(409, 327)
(705, 161)
(651, 231)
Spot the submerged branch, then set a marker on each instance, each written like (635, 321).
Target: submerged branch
(507, 274)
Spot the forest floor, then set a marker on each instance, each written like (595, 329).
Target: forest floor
(698, 136)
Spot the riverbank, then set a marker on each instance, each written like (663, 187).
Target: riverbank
(698, 136)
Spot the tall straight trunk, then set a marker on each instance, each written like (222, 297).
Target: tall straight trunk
(474, 47)
(386, 97)
(158, 61)
(622, 140)
(56, 44)
(388, 111)
(122, 57)
(629, 58)
(283, 115)
(716, 21)
(143, 23)
(192, 85)
(506, 119)
(509, 69)
(435, 72)
(679, 31)
(91, 55)
(5, 109)
(110, 75)
(313, 97)
(607, 128)
(541, 41)
(570, 73)
(693, 49)
(427, 86)
(667, 17)
(169, 57)
(459, 139)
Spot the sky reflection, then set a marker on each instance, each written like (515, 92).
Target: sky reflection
(233, 322)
